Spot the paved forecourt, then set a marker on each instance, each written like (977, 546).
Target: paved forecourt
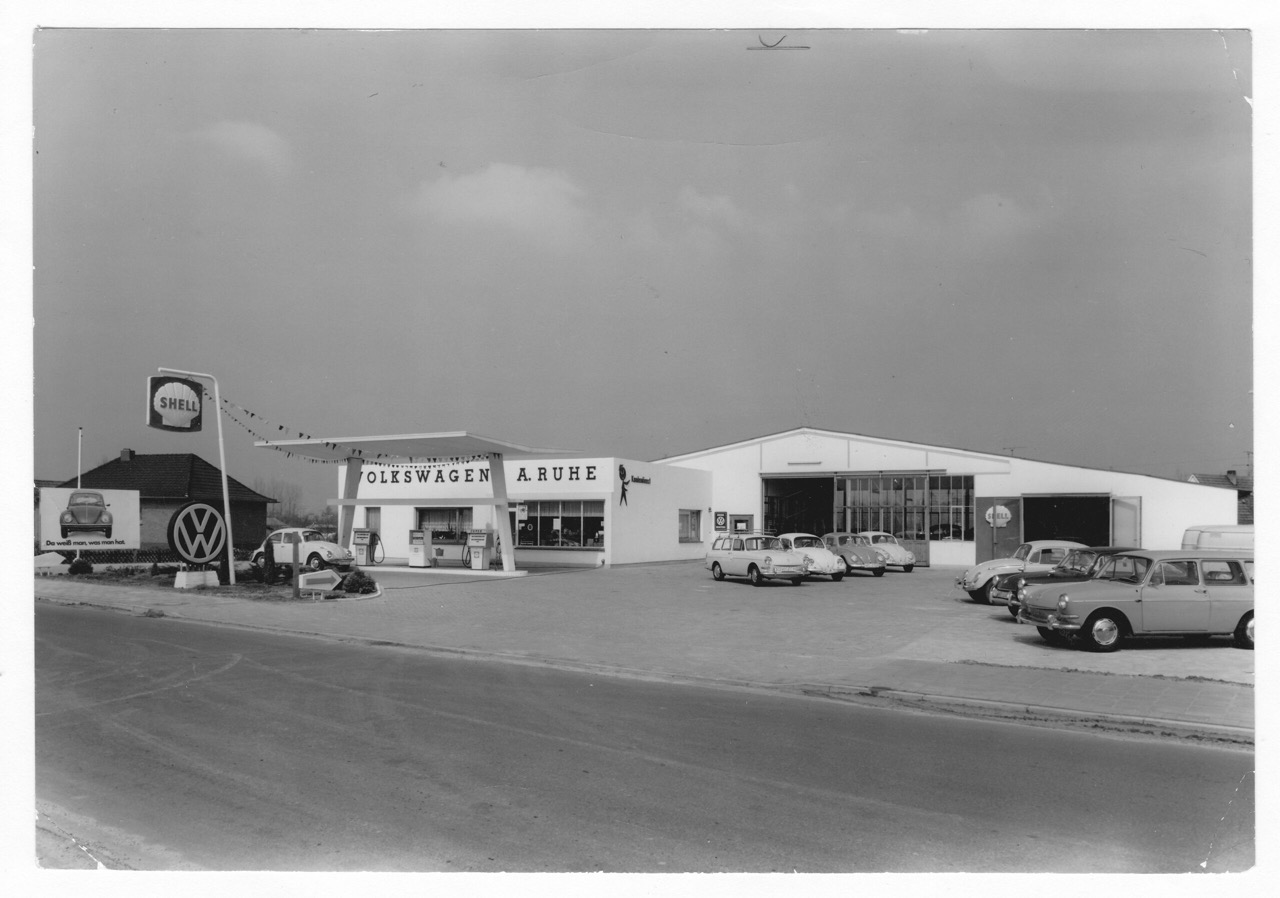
(913, 633)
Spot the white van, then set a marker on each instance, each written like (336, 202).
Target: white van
(1233, 537)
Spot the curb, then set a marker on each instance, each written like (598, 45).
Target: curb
(1032, 714)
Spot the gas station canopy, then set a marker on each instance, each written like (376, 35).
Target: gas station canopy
(420, 447)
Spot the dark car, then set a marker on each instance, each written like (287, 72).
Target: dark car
(1080, 564)
(85, 512)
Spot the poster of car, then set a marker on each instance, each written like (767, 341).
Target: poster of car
(73, 518)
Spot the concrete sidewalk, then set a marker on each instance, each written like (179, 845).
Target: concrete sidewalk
(898, 639)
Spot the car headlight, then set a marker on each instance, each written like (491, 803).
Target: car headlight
(840, 565)
(67, 517)
(767, 564)
(1064, 603)
(1022, 582)
(327, 552)
(105, 517)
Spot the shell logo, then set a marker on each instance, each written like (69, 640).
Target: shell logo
(174, 404)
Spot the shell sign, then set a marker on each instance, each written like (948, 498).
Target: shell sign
(174, 403)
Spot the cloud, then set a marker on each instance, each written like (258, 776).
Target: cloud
(711, 209)
(249, 142)
(541, 204)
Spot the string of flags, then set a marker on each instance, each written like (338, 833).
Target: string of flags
(350, 451)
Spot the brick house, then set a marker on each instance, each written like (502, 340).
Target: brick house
(167, 482)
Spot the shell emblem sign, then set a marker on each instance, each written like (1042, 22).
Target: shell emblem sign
(174, 403)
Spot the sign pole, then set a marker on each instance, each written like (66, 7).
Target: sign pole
(222, 462)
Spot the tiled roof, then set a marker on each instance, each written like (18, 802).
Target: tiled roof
(183, 476)
(1243, 484)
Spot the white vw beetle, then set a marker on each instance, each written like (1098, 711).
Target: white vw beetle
(1034, 557)
(899, 555)
(818, 558)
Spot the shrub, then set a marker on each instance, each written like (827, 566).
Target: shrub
(80, 566)
(358, 582)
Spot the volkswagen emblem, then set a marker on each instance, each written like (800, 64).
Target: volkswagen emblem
(197, 533)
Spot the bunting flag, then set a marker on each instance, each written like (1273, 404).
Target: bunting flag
(351, 451)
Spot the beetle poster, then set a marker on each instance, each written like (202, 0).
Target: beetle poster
(86, 518)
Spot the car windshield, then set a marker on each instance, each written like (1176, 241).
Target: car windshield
(883, 538)
(1124, 569)
(312, 536)
(85, 499)
(807, 542)
(1023, 551)
(1078, 562)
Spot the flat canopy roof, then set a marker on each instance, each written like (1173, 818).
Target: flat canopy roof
(405, 447)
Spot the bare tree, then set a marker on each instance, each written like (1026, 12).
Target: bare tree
(288, 498)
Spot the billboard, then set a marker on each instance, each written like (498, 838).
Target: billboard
(174, 404)
(72, 518)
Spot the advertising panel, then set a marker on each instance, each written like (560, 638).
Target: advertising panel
(89, 519)
(174, 404)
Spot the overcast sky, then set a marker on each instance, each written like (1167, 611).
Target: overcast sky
(642, 243)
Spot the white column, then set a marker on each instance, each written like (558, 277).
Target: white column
(350, 487)
(498, 477)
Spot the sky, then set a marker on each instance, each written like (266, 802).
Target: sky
(642, 242)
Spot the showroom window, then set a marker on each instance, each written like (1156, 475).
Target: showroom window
(568, 524)
(447, 525)
(690, 526)
(951, 507)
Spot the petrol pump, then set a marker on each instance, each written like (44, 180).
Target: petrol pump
(420, 554)
(479, 549)
(362, 546)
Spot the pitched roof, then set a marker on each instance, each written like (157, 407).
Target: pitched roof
(184, 476)
(1243, 484)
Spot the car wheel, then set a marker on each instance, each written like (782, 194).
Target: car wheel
(879, 573)
(315, 562)
(1243, 636)
(1051, 636)
(908, 568)
(716, 572)
(256, 560)
(1013, 611)
(796, 581)
(1102, 632)
(982, 595)
(753, 574)
(836, 578)
(64, 532)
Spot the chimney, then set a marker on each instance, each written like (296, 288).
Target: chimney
(126, 455)
(1231, 475)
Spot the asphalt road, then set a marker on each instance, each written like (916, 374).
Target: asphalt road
(169, 745)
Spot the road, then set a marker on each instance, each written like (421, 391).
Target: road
(169, 745)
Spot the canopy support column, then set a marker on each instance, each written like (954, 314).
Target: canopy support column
(498, 477)
(347, 513)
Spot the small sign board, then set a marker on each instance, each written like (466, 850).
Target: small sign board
(320, 581)
(998, 516)
(722, 520)
(72, 518)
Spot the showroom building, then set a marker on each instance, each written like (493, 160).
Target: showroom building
(949, 506)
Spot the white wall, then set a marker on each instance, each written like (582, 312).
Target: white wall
(1168, 506)
(646, 528)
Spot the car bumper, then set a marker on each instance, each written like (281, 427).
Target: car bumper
(784, 572)
(865, 567)
(1043, 617)
(1003, 596)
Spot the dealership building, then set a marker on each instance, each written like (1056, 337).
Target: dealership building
(949, 506)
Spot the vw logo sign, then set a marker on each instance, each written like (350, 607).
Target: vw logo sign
(198, 533)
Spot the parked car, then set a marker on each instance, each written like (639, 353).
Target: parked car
(1033, 557)
(818, 558)
(1148, 593)
(1231, 537)
(756, 556)
(899, 555)
(314, 551)
(857, 552)
(1080, 564)
(85, 512)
